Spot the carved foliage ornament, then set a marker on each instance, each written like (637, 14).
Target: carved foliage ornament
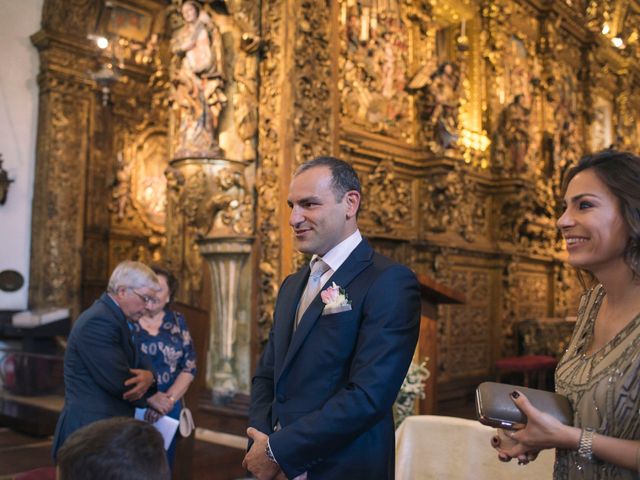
(268, 182)
(454, 204)
(312, 73)
(388, 198)
(528, 219)
(213, 197)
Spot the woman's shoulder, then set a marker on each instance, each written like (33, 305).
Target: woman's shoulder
(175, 318)
(589, 297)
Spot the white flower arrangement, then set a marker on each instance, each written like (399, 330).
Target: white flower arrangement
(412, 388)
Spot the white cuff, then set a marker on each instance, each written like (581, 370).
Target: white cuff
(269, 453)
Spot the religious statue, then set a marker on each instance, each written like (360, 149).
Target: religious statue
(513, 133)
(199, 83)
(245, 112)
(121, 193)
(441, 100)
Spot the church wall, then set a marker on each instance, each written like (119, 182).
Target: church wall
(460, 117)
(18, 119)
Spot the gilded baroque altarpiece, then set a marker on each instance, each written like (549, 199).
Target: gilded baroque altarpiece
(461, 117)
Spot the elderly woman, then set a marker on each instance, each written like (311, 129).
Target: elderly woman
(163, 336)
(600, 371)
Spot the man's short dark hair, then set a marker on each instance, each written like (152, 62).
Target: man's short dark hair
(343, 177)
(114, 449)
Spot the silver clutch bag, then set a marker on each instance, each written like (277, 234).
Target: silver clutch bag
(495, 408)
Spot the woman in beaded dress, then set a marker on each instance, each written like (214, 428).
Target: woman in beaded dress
(164, 337)
(600, 370)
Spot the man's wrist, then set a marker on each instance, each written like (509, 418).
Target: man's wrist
(269, 453)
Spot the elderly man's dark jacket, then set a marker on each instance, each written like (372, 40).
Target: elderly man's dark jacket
(100, 352)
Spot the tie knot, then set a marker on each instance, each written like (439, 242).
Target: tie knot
(318, 268)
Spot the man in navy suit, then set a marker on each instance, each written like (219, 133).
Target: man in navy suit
(322, 394)
(104, 374)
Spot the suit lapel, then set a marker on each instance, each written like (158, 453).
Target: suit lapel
(359, 259)
(283, 324)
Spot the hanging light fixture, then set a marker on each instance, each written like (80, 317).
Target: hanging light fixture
(106, 75)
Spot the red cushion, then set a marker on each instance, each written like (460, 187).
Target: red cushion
(526, 363)
(44, 473)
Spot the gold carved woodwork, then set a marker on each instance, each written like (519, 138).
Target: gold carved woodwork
(268, 185)
(374, 48)
(58, 213)
(464, 341)
(305, 79)
(387, 199)
(141, 186)
(69, 16)
(311, 87)
(527, 217)
(213, 197)
(454, 204)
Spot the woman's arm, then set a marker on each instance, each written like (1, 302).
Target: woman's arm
(544, 431)
(180, 386)
(187, 364)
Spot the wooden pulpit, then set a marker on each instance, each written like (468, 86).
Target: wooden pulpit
(432, 294)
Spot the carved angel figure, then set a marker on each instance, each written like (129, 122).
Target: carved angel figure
(441, 100)
(198, 82)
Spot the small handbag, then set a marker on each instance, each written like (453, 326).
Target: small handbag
(186, 425)
(496, 409)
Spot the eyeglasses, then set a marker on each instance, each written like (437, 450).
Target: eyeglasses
(145, 298)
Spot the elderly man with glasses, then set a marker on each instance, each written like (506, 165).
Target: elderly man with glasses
(104, 374)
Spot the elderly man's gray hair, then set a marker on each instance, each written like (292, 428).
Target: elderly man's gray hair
(130, 274)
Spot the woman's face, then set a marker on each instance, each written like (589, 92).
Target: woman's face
(592, 225)
(162, 296)
(189, 12)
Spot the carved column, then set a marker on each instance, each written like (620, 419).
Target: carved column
(212, 197)
(66, 105)
(225, 258)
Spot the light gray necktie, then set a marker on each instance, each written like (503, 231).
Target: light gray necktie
(313, 287)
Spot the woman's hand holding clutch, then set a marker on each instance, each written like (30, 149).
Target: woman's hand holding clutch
(541, 431)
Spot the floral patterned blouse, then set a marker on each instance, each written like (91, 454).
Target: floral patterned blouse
(171, 350)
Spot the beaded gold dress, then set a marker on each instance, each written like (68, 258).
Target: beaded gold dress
(603, 388)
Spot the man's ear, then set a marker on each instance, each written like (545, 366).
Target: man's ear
(352, 198)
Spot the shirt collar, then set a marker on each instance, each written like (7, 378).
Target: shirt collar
(338, 254)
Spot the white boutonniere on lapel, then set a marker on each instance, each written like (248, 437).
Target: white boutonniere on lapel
(335, 300)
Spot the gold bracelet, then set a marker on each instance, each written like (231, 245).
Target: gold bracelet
(172, 399)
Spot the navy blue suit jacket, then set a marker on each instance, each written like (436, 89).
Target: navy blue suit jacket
(99, 354)
(331, 384)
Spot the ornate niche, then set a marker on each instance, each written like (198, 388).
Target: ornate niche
(139, 196)
(513, 102)
(374, 47)
(445, 79)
